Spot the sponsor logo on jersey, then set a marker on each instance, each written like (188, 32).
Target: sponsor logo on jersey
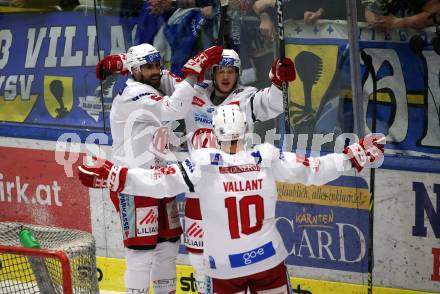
(237, 169)
(210, 110)
(172, 215)
(252, 256)
(146, 221)
(202, 118)
(124, 216)
(238, 90)
(216, 159)
(189, 164)
(204, 138)
(257, 156)
(143, 95)
(202, 85)
(234, 103)
(193, 236)
(160, 141)
(211, 262)
(198, 101)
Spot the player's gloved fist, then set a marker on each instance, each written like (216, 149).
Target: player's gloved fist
(110, 65)
(103, 175)
(202, 61)
(369, 152)
(282, 71)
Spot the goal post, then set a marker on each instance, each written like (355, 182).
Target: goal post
(66, 262)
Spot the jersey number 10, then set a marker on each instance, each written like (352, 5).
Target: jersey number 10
(244, 205)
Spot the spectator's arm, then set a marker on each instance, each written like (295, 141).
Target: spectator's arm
(313, 16)
(262, 5)
(267, 27)
(158, 7)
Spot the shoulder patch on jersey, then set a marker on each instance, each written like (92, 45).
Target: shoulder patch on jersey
(189, 165)
(234, 102)
(203, 118)
(139, 96)
(216, 159)
(238, 90)
(202, 85)
(257, 156)
(197, 101)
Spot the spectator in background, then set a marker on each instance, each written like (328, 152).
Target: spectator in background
(394, 14)
(309, 11)
(63, 4)
(158, 7)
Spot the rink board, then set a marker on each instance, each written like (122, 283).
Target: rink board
(112, 278)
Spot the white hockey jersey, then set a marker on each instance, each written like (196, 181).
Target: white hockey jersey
(259, 105)
(237, 199)
(136, 119)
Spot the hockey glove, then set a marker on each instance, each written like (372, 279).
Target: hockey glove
(110, 65)
(282, 71)
(367, 153)
(104, 175)
(202, 61)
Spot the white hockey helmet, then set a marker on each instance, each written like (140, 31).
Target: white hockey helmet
(230, 58)
(229, 123)
(141, 54)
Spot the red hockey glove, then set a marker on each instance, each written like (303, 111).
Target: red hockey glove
(105, 175)
(202, 61)
(110, 65)
(367, 153)
(282, 71)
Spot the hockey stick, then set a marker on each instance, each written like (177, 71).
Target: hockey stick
(280, 18)
(221, 29)
(369, 65)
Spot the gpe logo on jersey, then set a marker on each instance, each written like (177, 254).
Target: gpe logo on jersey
(253, 256)
(146, 221)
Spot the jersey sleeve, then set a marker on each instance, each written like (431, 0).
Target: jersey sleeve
(155, 183)
(293, 168)
(267, 103)
(148, 105)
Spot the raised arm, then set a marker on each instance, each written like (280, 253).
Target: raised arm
(268, 102)
(158, 183)
(291, 167)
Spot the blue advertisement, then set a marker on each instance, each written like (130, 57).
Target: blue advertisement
(47, 80)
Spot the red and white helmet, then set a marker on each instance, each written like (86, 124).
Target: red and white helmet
(230, 58)
(141, 54)
(229, 123)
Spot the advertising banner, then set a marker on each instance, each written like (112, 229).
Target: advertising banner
(408, 91)
(34, 189)
(47, 68)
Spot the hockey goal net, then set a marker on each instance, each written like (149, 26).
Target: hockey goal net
(66, 262)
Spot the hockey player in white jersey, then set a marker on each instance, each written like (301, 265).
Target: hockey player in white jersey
(151, 228)
(237, 190)
(224, 89)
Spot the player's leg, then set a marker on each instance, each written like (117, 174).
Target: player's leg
(193, 238)
(139, 225)
(229, 286)
(138, 267)
(163, 272)
(271, 281)
(164, 262)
